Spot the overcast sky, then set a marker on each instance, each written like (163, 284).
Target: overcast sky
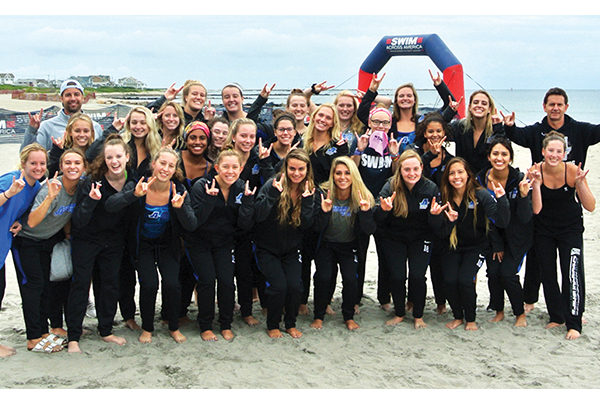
(521, 52)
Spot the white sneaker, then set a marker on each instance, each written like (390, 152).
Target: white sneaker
(90, 310)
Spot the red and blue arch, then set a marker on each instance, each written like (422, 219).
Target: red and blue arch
(416, 45)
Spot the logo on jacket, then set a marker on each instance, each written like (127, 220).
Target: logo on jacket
(238, 198)
(331, 151)
(471, 205)
(424, 204)
(255, 169)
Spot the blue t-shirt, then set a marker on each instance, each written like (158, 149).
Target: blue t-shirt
(13, 209)
(155, 221)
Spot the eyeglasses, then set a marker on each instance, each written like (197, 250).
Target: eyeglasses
(377, 122)
(283, 130)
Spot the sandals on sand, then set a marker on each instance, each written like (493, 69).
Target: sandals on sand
(49, 344)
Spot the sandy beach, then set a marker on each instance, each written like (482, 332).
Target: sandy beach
(498, 355)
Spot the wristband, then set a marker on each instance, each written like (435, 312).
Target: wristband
(312, 89)
(7, 198)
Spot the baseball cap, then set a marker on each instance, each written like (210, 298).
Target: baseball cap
(70, 83)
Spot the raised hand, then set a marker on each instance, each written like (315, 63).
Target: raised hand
(375, 82)
(363, 141)
(435, 208)
(360, 94)
(95, 193)
(321, 87)
(525, 186)
(497, 118)
(436, 148)
(341, 141)
(326, 202)
(209, 111)
(177, 199)
(307, 192)
(16, 186)
(265, 92)
(388, 203)
(277, 184)
(580, 177)
(54, 186)
(534, 175)
(454, 104)
(498, 255)
(212, 191)
(437, 80)
(119, 123)
(172, 92)
(509, 120)
(393, 145)
(36, 119)
(247, 191)
(294, 146)
(59, 142)
(363, 203)
(498, 190)
(141, 188)
(450, 213)
(171, 144)
(15, 228)
(263, 152)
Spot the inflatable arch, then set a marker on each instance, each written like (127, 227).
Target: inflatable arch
(416, 45)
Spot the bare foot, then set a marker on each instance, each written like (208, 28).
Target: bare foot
(317, 324)
(455, 323)
(131, 324)
(351, 325)
(471, 326)
(145, 337)
(572, 334)
(409, 306)
(6, 351)
(177, 336)
(521, 320)
(59, 332)
(498, 317)
(553, 325)
(293, 332)
(529, 307)
(356, 309)
(114, 339)
(394, 321)
(208, 336)
(419, 323)
(386, 306)
(184, 320)
(32, 342)
(274, 333)
(329, 310)
(583, 321)
(250, 320)
(227, 334)
(73, 347)
(303, 309)
(440, 309)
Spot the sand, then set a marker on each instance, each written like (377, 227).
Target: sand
(376, 356)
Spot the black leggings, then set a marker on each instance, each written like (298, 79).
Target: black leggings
(383, 275)
(436, 272)
(94, 261)
(566, 305)
(503, 276)
(533, 277)
(460, 274)
(244, 276)
(212, 264)
(2, 283)
(327, 258)
(395, 255)
(283, 285)
(153, 254)
(127, 282)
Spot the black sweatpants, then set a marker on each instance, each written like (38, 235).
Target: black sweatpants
(566, 306)
(155, 254)
(328, 257)
(100, 263)
(383, 275)
(187, 281)
(212, 264)
(503, 276)
(363, 249)
(59, 300)
(32, 263)
(436, 273)
(127, 282)
(244, 276)
(533, 277)
(283, 285)
(396, 254)
(460, 274)
(309, 245)
(2, 283)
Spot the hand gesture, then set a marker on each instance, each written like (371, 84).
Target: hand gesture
(341, 141)
(525, 186)
(171, 144)
(580, 177)
(16, 186)
(294, 146)
(360, 94)
(363, 203)
(363, 141)
(321, 87)
(498, 190)
(498, 255)
(388, 203)
(119, 123)
(326, 202)
(534, 175)
(36, 119)
(171, 92)
(450, 213)
(263, 152)
(212, 191)
(436, 148)
(177, 199)
(59, 142)
(277, 184)
(307, 191)
(375, 82)
(496, 119)
(454, 104)
(435, 208)
(209, 111)
(247, 191)
(54, 186)
(509, 120)
(264, 93)
(393, 145)
(95, 193)
(15, 228)
(437, 80)
(141, 188)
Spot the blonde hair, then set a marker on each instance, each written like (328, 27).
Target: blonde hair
(468, 121)
(179, 142)
(186, 89)
(398, 185)
(334, 132)
(288, 211)
(27, 150)
(233, 130)
(78, 116)
(356, 126)
(358, 187)
(178, 174)
(152, 143)
(228, 153)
